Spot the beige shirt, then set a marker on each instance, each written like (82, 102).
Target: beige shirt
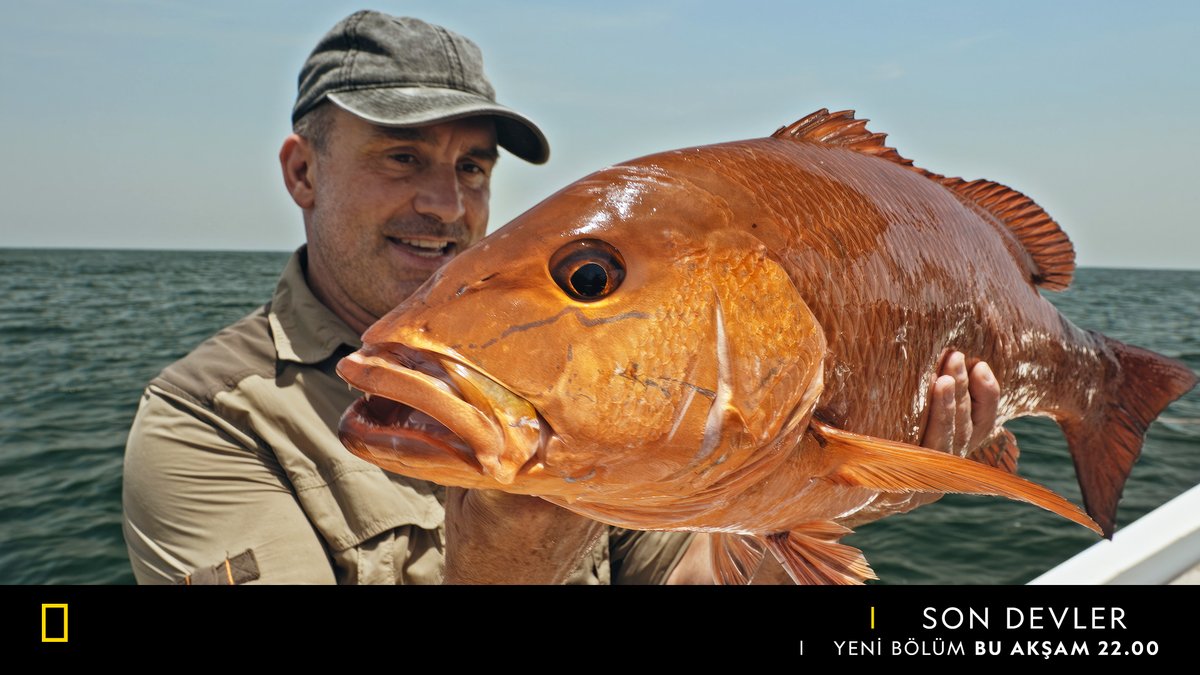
(234, 472)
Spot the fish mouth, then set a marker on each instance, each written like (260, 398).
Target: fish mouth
(431, 416)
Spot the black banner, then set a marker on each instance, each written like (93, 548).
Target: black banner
(793, 625)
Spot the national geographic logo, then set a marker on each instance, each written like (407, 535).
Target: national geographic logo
(54, 623)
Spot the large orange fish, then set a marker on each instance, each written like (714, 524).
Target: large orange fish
(738, 339)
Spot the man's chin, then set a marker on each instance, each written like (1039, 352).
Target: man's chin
(396, 294)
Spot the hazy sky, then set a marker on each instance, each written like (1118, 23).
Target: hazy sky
(156, 124)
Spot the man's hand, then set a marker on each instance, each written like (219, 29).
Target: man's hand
(497, 538)
(962, 406)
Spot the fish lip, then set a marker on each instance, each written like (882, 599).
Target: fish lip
(390, 447)
(417, 380)
(366, 433)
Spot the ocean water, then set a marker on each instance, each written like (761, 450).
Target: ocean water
(83, 331)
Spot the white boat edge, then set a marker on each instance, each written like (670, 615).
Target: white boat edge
(1162, 547)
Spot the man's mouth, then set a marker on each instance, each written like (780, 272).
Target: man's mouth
(425, 248)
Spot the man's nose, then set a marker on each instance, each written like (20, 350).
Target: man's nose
(440, 195)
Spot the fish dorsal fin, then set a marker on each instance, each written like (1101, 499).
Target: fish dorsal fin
(842, 130)
(1051, 254)
(880, 464)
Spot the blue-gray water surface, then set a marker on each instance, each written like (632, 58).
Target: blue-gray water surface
(83, 331)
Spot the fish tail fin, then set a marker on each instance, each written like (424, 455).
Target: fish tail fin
(811, 554)
(735, 558)
(1106, 439)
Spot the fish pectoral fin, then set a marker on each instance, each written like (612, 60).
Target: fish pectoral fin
(1001, 452)
(811, 554)
(880, 464)
(735, 558)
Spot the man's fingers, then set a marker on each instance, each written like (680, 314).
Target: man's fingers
(956, 367)
(985, 400)
(962, 406)
(939, 434)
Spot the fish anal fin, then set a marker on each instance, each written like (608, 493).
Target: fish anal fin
(890, 466)
(1001, 452)
(1051, 256)
(1105, 442)
(735, 557)
(811, 554)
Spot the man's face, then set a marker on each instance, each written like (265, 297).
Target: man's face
(392, 205)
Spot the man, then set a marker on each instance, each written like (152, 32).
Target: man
(234, 473)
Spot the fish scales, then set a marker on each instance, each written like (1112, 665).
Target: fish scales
(868, 305)
(900, 210)
(739, 339)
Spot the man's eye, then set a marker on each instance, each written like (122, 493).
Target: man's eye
(470, 168)
(403, 158)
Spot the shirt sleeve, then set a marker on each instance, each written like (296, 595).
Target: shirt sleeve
(198, 494)
(644, 557)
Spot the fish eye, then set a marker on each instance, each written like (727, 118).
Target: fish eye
(587, 269)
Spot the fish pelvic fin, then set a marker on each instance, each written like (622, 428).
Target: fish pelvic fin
(889, 466)
(1106, 441)
(1001, 452)
(811, 554)
(1048, 252)
(735, 558)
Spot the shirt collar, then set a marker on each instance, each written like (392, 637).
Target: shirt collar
(304, 330)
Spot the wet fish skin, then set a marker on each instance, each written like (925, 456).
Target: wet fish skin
(760, 372)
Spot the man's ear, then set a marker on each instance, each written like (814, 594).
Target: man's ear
(296, 159)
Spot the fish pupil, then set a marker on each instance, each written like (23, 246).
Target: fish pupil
(589, 280)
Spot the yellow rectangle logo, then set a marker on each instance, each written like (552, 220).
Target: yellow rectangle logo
(54, 623)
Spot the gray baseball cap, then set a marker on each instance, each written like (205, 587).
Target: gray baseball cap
(403, 72)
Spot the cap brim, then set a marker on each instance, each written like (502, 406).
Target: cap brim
(421, 106)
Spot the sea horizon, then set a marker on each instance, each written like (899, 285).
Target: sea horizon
(135, 249)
